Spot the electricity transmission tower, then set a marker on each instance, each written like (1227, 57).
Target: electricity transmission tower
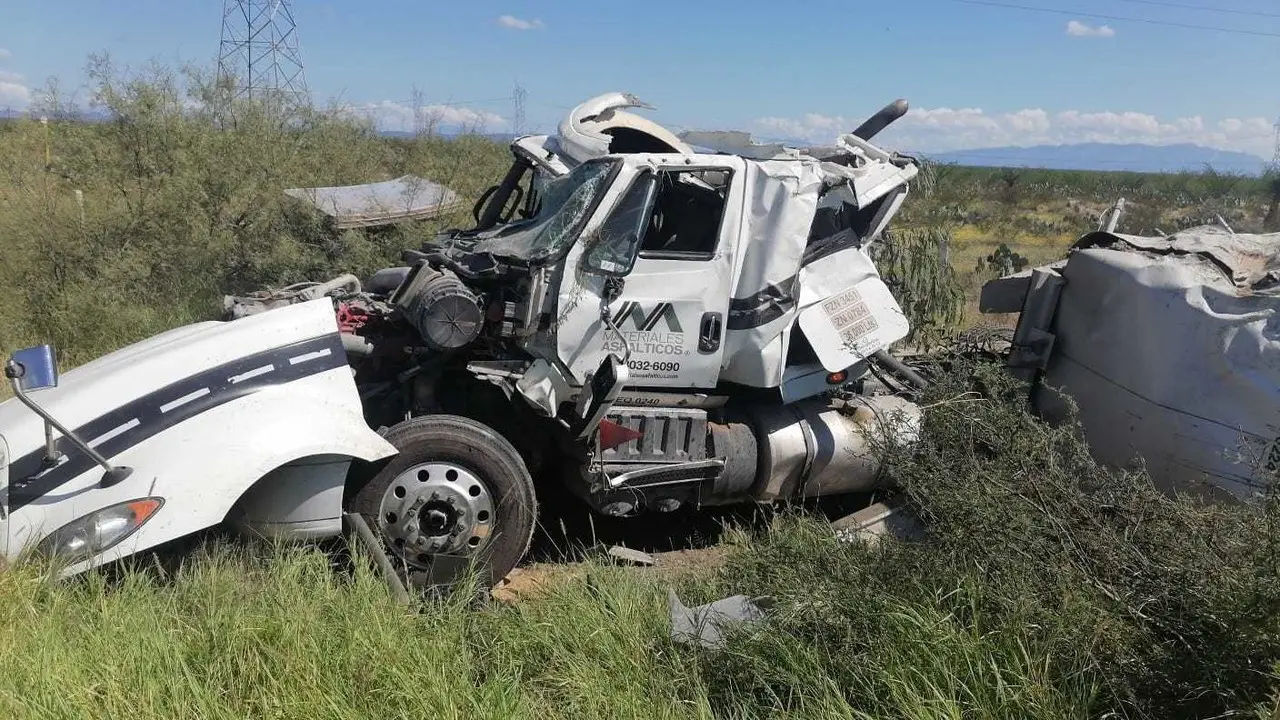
(1272, 222)
(518, 96)
(260, 56)
(1275, 158)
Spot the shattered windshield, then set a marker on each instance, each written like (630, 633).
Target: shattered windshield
(566, 203)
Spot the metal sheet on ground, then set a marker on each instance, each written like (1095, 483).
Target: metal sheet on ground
(381, 203)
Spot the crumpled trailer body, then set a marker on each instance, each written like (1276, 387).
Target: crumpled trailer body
(1168, 346)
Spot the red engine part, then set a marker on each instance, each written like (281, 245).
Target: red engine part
(351, 317)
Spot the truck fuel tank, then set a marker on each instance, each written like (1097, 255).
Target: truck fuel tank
(819, 447)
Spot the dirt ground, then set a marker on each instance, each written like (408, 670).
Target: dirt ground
(528, 581)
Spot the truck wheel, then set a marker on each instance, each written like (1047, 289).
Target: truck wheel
(456, 488)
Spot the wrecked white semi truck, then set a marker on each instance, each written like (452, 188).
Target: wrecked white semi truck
(663, 326)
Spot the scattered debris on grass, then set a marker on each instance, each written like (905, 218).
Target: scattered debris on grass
(705, 625)
(631, 557)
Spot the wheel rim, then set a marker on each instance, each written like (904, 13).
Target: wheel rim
(436, 507)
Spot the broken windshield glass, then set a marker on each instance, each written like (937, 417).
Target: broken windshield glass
(567, 202)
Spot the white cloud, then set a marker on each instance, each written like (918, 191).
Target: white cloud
(1075, 28)
(946, 129)
(14, 95)
(1256, 127)
(388, 115)
(515, 23)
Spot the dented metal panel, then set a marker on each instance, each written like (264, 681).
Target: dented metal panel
(583, 132)
(4, 498)
(380, 203)
(1173, 358)
(848, 313)
(1249, 261)
(781, 198)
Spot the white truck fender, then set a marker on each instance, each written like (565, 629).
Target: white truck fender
(203, 466)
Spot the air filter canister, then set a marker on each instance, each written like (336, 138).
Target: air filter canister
(444, 310)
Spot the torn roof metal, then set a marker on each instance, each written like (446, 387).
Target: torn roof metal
(602, 126)
(852, 167)
(1251, 262)
(403, 199)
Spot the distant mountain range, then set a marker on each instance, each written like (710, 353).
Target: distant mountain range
(1132, 157)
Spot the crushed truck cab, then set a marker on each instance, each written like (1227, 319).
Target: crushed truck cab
(707, 270)
(660, 323)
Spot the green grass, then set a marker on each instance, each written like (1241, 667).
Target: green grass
(284, 637)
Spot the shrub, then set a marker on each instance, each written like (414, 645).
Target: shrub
(1045, 586)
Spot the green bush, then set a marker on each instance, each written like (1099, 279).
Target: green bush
(1045, 586)
(182, 202)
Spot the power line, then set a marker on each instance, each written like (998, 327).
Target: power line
(1204, 8)
(455, 103)
(1073, 13)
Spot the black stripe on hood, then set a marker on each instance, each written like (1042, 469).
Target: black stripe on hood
(169, 406)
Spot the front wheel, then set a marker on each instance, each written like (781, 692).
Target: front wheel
(457, 488)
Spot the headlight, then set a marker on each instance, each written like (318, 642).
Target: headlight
(85, 537)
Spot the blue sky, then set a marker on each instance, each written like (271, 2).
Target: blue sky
(976, 74)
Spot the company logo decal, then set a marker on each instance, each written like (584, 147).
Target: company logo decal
(647, 321)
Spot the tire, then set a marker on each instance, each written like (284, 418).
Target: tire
(429, 447)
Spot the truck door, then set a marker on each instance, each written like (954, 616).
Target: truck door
(669, 244)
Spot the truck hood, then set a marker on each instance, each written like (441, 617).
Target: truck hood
(96, 388)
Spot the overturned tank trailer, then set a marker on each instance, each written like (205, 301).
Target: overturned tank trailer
(1168, 347)
(656, 323)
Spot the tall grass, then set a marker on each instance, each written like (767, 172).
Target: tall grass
(1045, 586)
(234, 636)
(284, 637)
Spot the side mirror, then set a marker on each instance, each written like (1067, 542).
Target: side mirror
(34, 368)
